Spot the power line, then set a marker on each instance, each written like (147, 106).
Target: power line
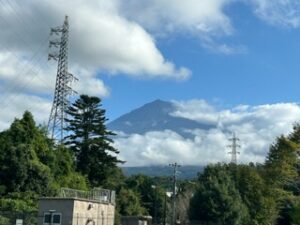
(19, 82)
(31, 63)
(34, 60)
(35, 19)
(13, 86)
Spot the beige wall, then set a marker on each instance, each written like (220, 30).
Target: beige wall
(99, 213)
(78, 212)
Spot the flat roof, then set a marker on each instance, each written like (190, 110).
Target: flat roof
(137, 217)
(74, 199)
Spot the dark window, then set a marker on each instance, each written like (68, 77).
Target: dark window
(56, 218)
(47, 218)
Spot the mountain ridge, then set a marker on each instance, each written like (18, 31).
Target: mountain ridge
(155, 116)
(185, 172)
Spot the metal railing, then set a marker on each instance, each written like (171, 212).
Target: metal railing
(96, 194)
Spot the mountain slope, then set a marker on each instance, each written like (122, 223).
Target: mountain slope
(185, 172)
(154, 116)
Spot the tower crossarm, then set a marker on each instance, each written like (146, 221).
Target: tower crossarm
(54, 56)
(54, 43)
(56, 30)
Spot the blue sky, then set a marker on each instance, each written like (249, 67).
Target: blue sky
(230, 63)
(266, 70)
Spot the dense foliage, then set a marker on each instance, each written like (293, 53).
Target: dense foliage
(252, 194)
(32, 165)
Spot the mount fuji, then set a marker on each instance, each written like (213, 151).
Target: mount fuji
(155, 116)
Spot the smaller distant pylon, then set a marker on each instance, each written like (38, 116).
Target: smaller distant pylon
(234, 146)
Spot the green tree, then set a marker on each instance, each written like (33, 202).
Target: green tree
(90, 140)
(152, 194)
(255, 194)
(217, 200)
(294, 213)
(282, 174)
(30, 166)
(282, 162)
(64, 170)
(21, 158)
(116, 180)
(129, 203)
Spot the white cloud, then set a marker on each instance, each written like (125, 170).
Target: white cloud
(88, 83)
(204, 19)
(198, 17)
(256, 126)
(195, 109)
(278, 12)
(20, 75)
(212, 45)
(38, 106)
(161, 148)
(100, 37)
(118, 45)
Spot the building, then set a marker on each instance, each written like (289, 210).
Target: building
(74, 207)
(136, 220)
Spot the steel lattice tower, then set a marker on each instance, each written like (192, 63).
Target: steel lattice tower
(234, 146)
(64, 80)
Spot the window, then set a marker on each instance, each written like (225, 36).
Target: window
(56, 219)
(49, 217)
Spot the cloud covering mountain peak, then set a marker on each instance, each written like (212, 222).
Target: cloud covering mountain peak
(144, 139)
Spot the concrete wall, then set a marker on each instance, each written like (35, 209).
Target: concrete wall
(78, 211)
(63, 206)
(93, 212)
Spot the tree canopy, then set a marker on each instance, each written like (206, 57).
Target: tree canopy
(217, 200)
(30, 166)
(90, 140)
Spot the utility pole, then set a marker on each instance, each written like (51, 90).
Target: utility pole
(165, 210)
(64, 80)
(175, 172)
(234, 146)
(155, 204)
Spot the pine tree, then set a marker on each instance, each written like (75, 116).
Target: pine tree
(90, 140)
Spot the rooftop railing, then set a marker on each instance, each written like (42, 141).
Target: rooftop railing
(96, 194)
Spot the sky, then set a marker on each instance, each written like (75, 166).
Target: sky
(234, 56)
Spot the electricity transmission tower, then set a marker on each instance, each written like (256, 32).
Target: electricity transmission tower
(64, 80)
(175, 172)
(234, 146)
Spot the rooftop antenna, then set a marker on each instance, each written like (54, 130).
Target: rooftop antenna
(64, 80)
(234, 146)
